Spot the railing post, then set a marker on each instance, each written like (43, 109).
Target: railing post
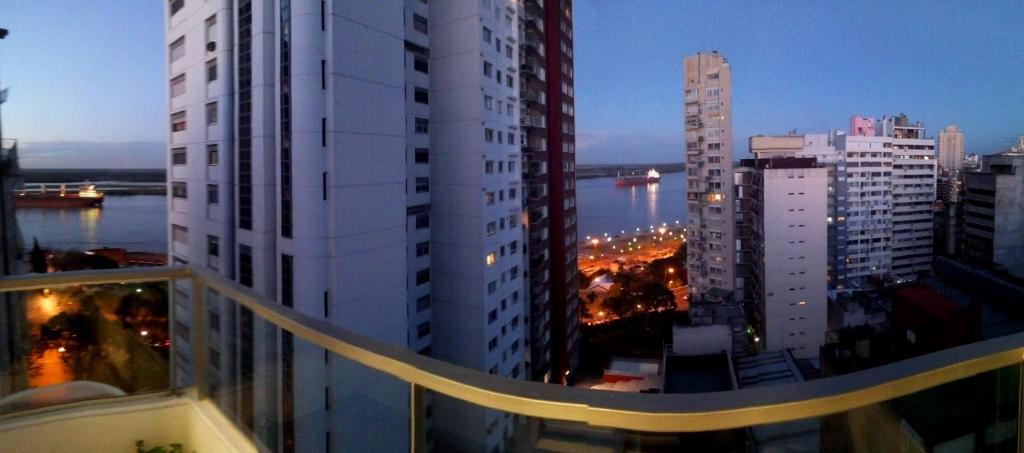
(199, 361)
(417, 418)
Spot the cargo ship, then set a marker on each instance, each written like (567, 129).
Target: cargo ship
(87, 197)
(634, 179)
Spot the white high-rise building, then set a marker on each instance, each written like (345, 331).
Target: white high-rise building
(951, 149)
(868, 219)
(788, 204)
(709, 183)
(359, 162)
(479, 295)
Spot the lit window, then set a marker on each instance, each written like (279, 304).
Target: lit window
(491, 258)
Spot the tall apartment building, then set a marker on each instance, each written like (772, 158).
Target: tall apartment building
(869, 200)
(546, 99)
(479, 263)
(297, 168)
(822, 148)
(709, 192)
(391, 168)
(993, 213)
(787, 200)
(951, 149)
(914, 172)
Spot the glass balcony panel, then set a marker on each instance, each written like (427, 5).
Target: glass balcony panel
(75, 343)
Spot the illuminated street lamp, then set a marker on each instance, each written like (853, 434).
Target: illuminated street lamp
(661, 230)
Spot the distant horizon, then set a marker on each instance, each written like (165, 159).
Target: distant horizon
(143, 155)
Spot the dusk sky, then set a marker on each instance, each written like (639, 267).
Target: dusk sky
(95, 72)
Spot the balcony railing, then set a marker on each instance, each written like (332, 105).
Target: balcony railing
(991, 368)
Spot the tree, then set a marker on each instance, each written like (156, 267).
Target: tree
(37, 259)
(658, 296)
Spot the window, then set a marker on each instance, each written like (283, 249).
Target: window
(212, 155)
(513, 246)
(492, 287)
(179, 234)
(212, 251)
(423, 329)
(419, 23)
(422, 126)
(489, 135)
(491, 258)
(511, 193)
(422, 185)
(422, 156)
(422, 303)
(287, 281)
(178, 122)
(178, 86)
(179, 189)
(211, 70)
(492, 228)
(492, 344)
(422, 276)
(489, 197)
(421, 96)
(511, 141)
(212, 194)
(489, 167)
(421, 64)
(245, 265)
(488, 69)
(422, 221)
(489, 102)
(176, 6)
(177, 49)
(492, 316)
(211, 33)
(513, 272)
(211, 114)
(508, 81)
(178, 156)
(508, 51)
(511, 165)
(487, 35)
(423, 248)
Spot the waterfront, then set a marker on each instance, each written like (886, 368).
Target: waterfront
(140, 222)
(603, 208)
(137, 223)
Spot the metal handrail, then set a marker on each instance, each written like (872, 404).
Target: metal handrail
(639, 412)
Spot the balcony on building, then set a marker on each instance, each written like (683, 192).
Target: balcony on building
(100, 360)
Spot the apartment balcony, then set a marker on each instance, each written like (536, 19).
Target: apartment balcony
(532, 121)
(136, 385)
(693, 122)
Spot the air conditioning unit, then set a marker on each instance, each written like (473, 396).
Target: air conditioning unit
(211, 46)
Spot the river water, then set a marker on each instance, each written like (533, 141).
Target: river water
(136, 223)
(139, 223)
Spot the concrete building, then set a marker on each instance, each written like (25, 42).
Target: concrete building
(914, 173)
(390, 168)
(547, 140)
(951, 149)
(993, 213)
(868, 206)
(709, 192)
(820, 147)
(787, 272)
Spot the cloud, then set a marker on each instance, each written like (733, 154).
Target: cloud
(623, 147)
(84, 154)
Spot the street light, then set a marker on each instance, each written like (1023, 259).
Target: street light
(595, 242)
(669, 271)
(661, 230)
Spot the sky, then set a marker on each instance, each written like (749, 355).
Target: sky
(88, 79)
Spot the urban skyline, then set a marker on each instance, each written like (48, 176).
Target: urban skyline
(369, 236)
(819, 97)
